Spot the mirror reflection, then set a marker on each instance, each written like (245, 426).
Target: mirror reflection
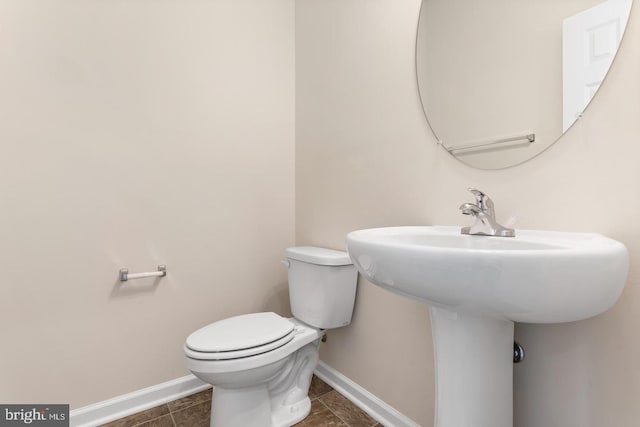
(501, 80)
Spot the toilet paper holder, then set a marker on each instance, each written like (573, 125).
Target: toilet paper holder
(125, 275)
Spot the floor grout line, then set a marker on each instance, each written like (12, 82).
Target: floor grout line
(171, 411)
(323, 394)
(336, 415)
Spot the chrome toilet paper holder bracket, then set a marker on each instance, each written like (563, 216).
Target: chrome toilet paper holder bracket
(124, 274)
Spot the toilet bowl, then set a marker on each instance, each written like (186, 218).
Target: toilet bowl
(261, 364)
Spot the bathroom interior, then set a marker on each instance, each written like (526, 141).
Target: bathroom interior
(211, 135)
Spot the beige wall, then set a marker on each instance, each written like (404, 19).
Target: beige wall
(136, 133)
(365, 157)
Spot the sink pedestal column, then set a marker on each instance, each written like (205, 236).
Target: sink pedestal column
(474, 369)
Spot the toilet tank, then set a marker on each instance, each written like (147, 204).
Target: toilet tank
(322, 286)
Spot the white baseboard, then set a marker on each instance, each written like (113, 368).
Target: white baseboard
(379, 410)
(137, 401)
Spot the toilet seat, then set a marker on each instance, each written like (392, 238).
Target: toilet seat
(303, 334)
(240, 336)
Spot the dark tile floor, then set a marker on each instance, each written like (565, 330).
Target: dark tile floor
(328, 409)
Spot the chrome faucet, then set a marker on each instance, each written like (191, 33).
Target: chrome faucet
(484, 214)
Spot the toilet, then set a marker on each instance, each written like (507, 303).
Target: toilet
(261, 364)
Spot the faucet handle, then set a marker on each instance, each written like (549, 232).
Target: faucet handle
(483, 201)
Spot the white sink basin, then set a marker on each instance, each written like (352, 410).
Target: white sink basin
(535, 277)
(477, 286)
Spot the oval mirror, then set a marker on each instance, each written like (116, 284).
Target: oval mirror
(501, 80)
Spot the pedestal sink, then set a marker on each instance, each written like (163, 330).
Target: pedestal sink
(477, 287)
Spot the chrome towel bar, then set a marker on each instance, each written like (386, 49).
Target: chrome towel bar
(530, 137)
(125, 275)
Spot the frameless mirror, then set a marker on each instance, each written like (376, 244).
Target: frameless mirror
(501, 80)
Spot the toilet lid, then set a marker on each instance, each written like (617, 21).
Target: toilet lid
(246, 334)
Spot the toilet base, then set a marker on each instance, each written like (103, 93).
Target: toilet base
(247, 407)
(288, 415)
(253, 409)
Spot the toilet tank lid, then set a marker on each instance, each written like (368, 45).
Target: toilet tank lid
(320, 256)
